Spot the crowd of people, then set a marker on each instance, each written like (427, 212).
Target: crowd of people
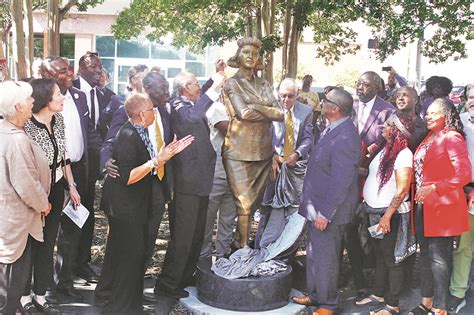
(377, 174)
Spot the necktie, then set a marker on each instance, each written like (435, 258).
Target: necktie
(159, 143)
(289, 145)
(361, 117)
(93, 107)
(325, 131)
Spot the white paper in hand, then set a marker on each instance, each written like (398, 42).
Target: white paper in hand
(78, 216)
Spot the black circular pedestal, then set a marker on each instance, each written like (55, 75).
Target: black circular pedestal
(253, 294)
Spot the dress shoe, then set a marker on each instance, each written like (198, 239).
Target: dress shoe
(179, 294)
(87, 274)
(70, 293)
(303, 300)
(28, 308)
(46, 308)
(323, 311)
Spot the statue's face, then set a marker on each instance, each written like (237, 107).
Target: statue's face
(249, 57)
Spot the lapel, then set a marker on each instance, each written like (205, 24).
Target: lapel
(435, 149)
(333, 133)
(246, 86)
(372, 116)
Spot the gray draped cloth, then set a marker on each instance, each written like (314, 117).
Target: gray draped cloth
(282, 230)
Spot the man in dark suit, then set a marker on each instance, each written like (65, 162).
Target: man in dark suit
(157, 88)
(193, 171)
(81, 137)
(292, 140)
(90, 72)
(330, 196)
(104, 96)
(371, 112)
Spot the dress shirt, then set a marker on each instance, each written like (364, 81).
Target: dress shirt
(86, 88)
(362, 120)
(73, 129)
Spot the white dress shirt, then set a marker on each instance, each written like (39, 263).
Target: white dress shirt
(73, 130)
(86, 88)
(363, 113)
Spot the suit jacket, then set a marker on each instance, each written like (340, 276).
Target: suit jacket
(372, 132)
(446, 165)
(303, 131)
(248, 136)
(107, 114)
(103, 100)
(330, 186)
(90, 136)
(119, 119)
(130, 202)
(193, 168)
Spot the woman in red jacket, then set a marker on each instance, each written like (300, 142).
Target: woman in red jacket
(442, 168)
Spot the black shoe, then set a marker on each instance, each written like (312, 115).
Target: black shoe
(455, 304)
(87, 274)
(180, 294)
(28, 308)
(70, 293)
(46, 308)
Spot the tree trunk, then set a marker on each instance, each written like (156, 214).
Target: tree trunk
(292, 62)
(268, 19)
(53, 27)
(19, 56)
(249, 29)
(286, 39)
(29, 35)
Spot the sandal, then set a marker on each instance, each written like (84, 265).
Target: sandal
(370, 300)
(420, 310)
(385, 310)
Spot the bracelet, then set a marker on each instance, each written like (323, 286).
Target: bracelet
(151, 165)
(73, 184)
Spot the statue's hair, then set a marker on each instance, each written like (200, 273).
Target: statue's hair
(233, 61)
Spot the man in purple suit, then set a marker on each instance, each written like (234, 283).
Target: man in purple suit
(330, 197)
(371, 112)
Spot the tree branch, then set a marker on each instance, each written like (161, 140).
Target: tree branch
(38, 5)
(66, 8)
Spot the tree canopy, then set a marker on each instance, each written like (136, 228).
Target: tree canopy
(395, 23)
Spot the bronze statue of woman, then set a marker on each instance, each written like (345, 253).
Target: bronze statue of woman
(247, 150)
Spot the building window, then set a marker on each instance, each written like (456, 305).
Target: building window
(133, 49)
(198, 68)
(105, 46)
(164, 52)
(67, 45)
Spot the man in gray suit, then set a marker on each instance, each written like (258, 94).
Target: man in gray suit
(330, 196)
(292, 140)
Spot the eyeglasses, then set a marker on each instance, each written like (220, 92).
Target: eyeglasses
(287, 95)
(327, 101)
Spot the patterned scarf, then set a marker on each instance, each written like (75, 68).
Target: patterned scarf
(143, 132)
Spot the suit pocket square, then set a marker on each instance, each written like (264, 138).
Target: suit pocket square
(86, 113)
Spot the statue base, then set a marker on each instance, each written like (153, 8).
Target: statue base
(252, 294)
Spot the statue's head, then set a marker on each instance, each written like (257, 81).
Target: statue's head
(248, 54)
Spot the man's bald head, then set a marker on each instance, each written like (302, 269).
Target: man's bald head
(406, 99)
